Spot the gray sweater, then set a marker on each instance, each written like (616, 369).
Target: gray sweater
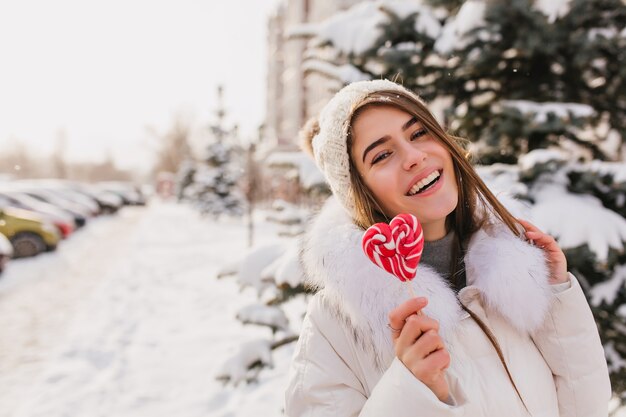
(438, 255)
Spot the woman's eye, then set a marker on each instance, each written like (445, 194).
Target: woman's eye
(418, 133)
(380, 157)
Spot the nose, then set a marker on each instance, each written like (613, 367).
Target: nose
(412, 156)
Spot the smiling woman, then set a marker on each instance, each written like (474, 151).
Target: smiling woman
(504, 329)
(407, 170)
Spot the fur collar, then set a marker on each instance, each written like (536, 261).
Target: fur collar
(510, 275)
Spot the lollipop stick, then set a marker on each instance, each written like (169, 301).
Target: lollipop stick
(412, 294)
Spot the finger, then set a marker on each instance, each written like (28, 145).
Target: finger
(439, 359)
(528, 226)
(398, 315)
(543, 239)
(413, 329)
(427, 343)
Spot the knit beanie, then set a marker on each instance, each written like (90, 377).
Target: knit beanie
(330, 147)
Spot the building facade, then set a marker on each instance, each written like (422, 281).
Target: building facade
(293, 95)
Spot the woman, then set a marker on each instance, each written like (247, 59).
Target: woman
(505, 329)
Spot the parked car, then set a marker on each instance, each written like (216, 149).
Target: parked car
(6, 251)
(40, 204)
(28, 233)
(82, 214)
(128, 192)
(62, 189)
(62, 220)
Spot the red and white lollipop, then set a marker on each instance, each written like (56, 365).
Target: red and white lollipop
(396, 247)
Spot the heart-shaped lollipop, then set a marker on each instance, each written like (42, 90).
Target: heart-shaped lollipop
(396, 247)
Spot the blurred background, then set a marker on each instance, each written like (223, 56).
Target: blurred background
(152, 187)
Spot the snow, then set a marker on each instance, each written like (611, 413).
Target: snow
(607, 291)
(253, 263)
(357, 29)
(5, 246)
(483, 99)
(308, 173)
(608, 33)
(540, 156)
(616, 169)
(263, 315)
(235, 370)
(127, 319)
(553, 9)
(576, 220)
(502, 178)
(541, 110)
(345, 73)
(615, 360)
(285, 270)
(286, 213)
(427, 24)
(454, 34)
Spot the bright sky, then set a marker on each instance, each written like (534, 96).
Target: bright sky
(103, 71)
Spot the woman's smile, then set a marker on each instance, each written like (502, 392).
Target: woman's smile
(406, 168)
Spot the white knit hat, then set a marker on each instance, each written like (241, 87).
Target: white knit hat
(330, 146)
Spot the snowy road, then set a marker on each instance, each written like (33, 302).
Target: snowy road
(127, 319)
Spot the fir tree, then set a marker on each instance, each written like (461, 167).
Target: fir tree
(214, 188)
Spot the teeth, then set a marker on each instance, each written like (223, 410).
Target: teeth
(422, 183)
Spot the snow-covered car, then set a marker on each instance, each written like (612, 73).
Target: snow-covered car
(60, 201)
(59, 189)
(6, 251)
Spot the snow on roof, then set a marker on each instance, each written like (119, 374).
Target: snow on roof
(308, 172)
(607, 291)
(576, 220)
(260, 314)
(471, 15)
(356, 30)
(553, 9)
(345, 73)
(540, 156)
(541, 110)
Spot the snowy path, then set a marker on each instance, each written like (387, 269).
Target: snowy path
(126, 319)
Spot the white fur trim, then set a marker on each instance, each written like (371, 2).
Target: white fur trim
(510, 274)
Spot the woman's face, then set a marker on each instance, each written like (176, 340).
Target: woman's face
(406, 169)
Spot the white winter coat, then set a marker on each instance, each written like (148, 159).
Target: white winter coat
(345, 364)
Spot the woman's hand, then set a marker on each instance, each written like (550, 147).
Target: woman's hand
(419, 347)
(554, 255)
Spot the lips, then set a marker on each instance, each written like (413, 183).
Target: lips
(425, 181)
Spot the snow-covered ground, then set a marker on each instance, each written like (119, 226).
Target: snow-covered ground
(127, 318)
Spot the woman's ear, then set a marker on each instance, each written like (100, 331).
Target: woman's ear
(310, 129)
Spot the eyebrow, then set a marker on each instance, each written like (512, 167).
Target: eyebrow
(385, 138)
